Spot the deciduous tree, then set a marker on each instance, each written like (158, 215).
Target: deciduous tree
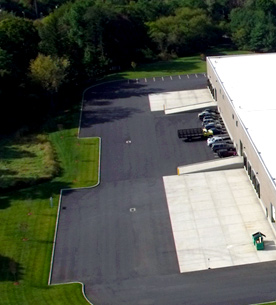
(49, 72)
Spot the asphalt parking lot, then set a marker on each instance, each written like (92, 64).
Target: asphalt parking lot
(117, 238)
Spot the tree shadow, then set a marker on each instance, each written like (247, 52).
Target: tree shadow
(11, 183)
(41, 191)
(172, 66)
(102, 103)
(104, 93)
(10, 270)
(8, 152)
(104, 115)
(7, 172)
(4, 202)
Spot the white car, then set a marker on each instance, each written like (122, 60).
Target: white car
(217, 139)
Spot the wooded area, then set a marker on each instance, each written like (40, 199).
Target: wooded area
(51, 49)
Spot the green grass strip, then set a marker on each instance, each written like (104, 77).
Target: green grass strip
(27, 224)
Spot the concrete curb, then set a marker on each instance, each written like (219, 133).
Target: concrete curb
(82, 288)
(57, 222)
(83, 100)
(60, 199)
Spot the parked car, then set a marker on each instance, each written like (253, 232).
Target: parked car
(218, 138)
(208, 112)
(210, 120)
(210, 125)
(208, 115)
(221, 141)
(217, 131)
(220, 146)
(223, 153)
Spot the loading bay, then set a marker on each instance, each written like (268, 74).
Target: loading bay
(147, 236)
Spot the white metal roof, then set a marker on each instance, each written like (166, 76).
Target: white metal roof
(250, 83)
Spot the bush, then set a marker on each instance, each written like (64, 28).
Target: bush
(26, 161)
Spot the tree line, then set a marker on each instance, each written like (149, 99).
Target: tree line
(50, 49)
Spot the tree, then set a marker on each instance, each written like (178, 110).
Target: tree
(53, 32)
(49, 72)
(5, 63)
(19, 38)
(253, 29)
(190, 30)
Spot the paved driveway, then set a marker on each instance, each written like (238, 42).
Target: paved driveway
(117, 238)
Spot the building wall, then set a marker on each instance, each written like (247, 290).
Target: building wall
(257, 173)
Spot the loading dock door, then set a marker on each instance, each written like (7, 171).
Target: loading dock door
(241, 148)
(273, 213)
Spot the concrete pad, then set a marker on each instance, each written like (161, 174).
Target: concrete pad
(191, 107)
(213, 216)
(213, 165)
(180, 101)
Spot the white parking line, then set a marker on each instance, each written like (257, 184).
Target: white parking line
(179, 76)
(136, 80)
(162, 78)
(204, 75)
(171, 77)
(196, 75)
(154, 79)
(188, 76)
(145, 80)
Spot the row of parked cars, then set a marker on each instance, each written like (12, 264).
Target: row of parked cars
(211, 120)
(220, 142)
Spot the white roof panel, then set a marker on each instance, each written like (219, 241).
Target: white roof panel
(250, 83)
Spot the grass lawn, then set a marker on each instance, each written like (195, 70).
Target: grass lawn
(184, 65)
(27, 224)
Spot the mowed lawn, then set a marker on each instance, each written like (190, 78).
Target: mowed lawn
(27, 224)
(183, 65)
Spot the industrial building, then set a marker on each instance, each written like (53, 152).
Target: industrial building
(245, 90)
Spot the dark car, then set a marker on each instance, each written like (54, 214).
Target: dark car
(212, 125)
(217, 131)
(223, 153)
(220, 146)
(209, 113)
(210, 120)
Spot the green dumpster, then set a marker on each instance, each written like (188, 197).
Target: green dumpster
(258, 240)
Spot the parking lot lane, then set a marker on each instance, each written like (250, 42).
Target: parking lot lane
(124, 232)
(236, 286)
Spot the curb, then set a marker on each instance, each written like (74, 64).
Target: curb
(57, 222)
(60, 199)
(83, 100)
